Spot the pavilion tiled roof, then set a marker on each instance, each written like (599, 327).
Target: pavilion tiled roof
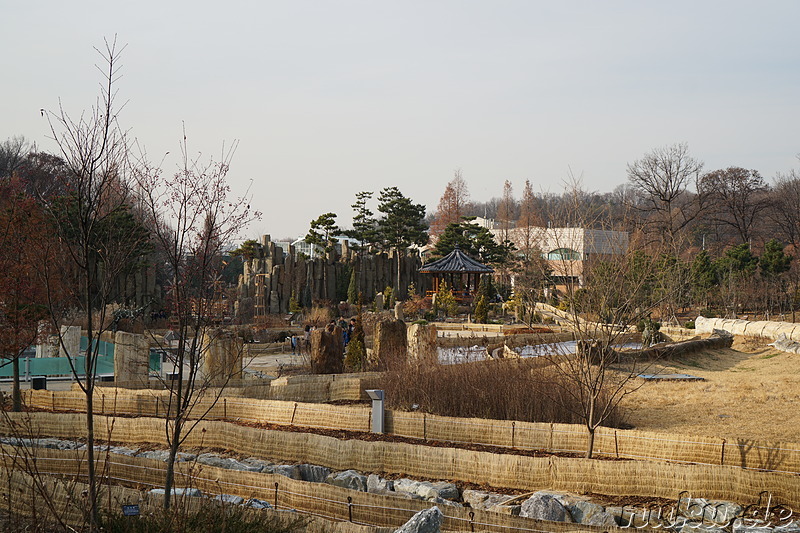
(456, 261)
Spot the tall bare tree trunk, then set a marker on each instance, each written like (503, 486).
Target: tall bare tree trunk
(16, 394)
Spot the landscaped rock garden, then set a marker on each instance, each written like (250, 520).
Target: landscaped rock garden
(692, 514)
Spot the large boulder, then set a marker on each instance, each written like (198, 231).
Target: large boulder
(544, 506)
(426, 521)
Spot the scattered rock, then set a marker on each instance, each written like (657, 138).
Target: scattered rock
(378, 485)
(212, 459)
(544, 506)
(313, 473)
(255, 503)
(601, 519)
(713, 511)
(446, 490)
(230, 499)
(255, 462)
(122, 450)
(349, 479)
(290, 471)
(426, 521)
(513, 510)
(163, 455)
(697, 527)
(582, 511)
(441, 501)
(179, 492)
(406, 485)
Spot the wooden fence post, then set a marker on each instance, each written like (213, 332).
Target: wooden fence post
(513, 432)
(722, 455)
(616, 444)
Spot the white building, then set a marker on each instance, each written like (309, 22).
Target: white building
(567, 249)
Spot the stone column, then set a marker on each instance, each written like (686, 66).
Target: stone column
(422, 343)
(327, 351)
(222, 357)
(390, 343)
(131, 358)
(398, 311)
(71, 336)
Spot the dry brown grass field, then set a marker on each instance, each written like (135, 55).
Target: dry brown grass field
(750, 391)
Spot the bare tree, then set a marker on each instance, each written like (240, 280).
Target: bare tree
(529, 223)
(736, 198)
(94, 150)
(506, 210)
(13, 152)
(785, 206)
(606, 288)
(194, 218)
(616, 295)
(663, 178)
(452, 205)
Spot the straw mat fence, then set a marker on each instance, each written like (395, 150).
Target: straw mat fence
(317, 388)
(558, 438)
(318, 499)
(42, 496)
(616, 478)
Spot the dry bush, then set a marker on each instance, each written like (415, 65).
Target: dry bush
(271, 321)
(513, 389)
(319, 316)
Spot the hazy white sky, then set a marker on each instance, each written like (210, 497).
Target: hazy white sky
(328, 98)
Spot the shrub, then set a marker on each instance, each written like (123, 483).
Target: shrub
(415, 304)
(510, 389)
(446, 301)
(689, 324)
(481, 310)
(388, 298)
(294, 305)
(352, 288)
(647, 323)
(355, 358)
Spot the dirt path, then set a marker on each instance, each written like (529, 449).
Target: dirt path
(750, 391)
